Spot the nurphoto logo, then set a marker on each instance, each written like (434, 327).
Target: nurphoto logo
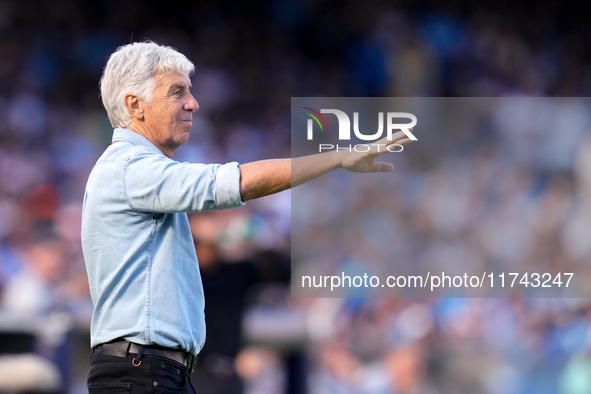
(344, 133)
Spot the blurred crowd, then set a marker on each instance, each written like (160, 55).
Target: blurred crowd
(251, 58)
(505, 197)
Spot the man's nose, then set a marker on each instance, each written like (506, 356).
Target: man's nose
(191, 104)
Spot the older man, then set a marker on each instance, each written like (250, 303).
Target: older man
(148, 323)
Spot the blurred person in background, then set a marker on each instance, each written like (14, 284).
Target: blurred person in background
(39, 280)
(216, 371)
(148, 323)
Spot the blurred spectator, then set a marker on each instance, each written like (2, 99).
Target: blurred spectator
(39, 279)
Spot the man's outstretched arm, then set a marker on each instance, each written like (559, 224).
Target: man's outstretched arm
(261, 178)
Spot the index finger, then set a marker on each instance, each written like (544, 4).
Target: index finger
(400, 138)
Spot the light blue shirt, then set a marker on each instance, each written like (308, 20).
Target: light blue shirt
(142, 268)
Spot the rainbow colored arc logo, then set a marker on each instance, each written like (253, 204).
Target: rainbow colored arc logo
(315, 117)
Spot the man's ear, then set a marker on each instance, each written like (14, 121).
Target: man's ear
(133, 104)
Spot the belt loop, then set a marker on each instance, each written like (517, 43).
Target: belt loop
(140, 351)
(193, 363)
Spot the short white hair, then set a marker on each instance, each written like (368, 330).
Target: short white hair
(133, 68)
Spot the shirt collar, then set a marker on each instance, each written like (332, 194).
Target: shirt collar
(120, 134)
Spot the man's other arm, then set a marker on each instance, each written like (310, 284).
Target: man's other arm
(261, 178)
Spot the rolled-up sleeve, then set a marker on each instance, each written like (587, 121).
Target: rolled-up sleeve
(227, 186)
(155, 183)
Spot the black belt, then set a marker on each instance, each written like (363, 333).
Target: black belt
(121, 348)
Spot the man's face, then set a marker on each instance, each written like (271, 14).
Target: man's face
(167, 118)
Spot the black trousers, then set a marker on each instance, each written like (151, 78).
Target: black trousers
(151, 374)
